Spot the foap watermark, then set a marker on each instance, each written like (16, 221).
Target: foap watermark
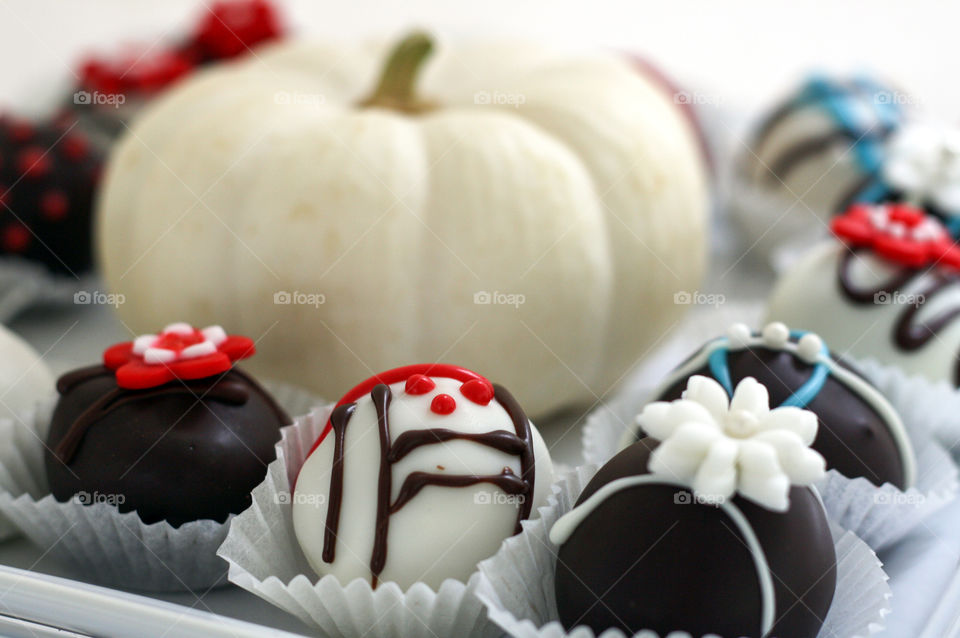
(696, 98)
(899, 498)
(299, 498)
(684, 497)
(298, 298)
(497, 498)
(98, 298)
(92, 498)
(497, 298)
(897, 298)
(96, 98)
(697, 298)
(286, 98)
(500, 98)
(897, 98)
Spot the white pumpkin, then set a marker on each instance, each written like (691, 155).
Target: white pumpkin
(572, 183)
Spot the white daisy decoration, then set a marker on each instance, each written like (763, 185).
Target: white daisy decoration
(719, 446)
(924, 162)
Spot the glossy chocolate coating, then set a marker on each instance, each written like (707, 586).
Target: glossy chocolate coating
(852, 437)
(658, 561)
(172, 457)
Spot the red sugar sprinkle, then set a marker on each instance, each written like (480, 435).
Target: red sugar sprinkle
(15, 239)
(419, 384)
(75, 147)
(33, 162)
(443, 404)
(54, 205)
(478, 390)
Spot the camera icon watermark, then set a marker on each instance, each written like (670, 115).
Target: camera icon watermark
(96, 98)
(299, 498)
(287, 98)
(92, 498)
(298, 298)
(684, 497)
(696, 98)
(897, 98)
(915, 499)
(498, 498)
(98, 298)
(499, 98)
(897, 298)
(497, 298)
(697, 298)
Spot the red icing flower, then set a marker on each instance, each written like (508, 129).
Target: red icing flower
(180, 351)
(231, 28)
(898, 232)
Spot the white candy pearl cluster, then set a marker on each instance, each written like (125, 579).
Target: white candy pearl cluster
(777, 335)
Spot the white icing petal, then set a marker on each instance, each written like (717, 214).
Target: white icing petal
(661, 419)
(198, 350)
(716, 478)
(751, 397)
(214, 334)
(708, 393)
(801, 464)
(141, 343)
(801, 422)
(159, 355)
(680, 456)
(180, 328)
(762, 480)
(924, 162)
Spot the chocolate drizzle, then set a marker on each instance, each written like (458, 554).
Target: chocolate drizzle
(519, 444)
(908, 335)
(219, 388)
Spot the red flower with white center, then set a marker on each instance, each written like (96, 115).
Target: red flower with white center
(898, 232)
(180, 351)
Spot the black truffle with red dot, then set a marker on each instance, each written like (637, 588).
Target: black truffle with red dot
(48, 174)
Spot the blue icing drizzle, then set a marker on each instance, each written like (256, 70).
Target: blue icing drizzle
(802, 397)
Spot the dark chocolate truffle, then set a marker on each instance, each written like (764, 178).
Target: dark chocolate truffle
(859, 433)
(178, 441)
(48, 174)
(651, 556)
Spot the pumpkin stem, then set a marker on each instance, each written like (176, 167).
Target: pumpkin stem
(397, 86)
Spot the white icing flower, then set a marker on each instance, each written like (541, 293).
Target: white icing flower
(719, 446)
(924, 162)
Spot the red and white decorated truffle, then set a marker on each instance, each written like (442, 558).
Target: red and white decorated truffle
(420, 474)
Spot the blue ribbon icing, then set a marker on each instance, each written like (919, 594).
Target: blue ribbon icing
(802, 397)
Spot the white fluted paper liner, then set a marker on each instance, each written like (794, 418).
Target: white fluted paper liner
(265, 559)
(91, 536)
(879, 515)
(517, 583)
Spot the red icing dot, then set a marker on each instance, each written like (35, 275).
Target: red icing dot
(443, 404)
(15, 239)
(419, 384)
(480, 391)
(33, 162)
(75, 147)
(54, 205)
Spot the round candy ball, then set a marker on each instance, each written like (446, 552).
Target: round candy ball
(422, 472)
(178, 452)
(651, 556)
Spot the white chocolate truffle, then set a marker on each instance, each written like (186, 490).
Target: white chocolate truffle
(443, 462)
(24, 377)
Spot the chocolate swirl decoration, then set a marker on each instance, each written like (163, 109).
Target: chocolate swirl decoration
(908, 334)
(518, 443)
(220, 388)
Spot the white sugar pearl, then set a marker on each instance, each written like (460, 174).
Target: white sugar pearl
(809, 347)
(775, 334)
(739, 334)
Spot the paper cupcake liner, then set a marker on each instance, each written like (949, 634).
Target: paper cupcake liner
(89, 535)
(265, 559)
(880, 515)
(24, 284)
(517, 584)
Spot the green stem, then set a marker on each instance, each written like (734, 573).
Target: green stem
(397, 86)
